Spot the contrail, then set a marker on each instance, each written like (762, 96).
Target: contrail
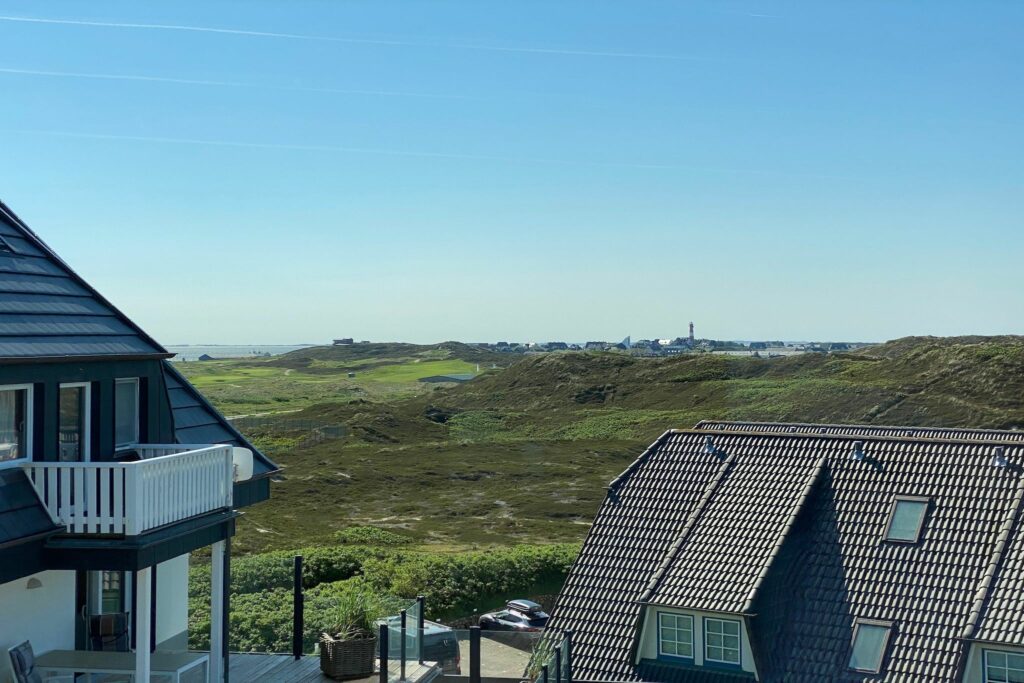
(228, 84)
(413, 153)
(334, 39)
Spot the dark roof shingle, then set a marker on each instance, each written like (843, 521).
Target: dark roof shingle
(790, 534)
(48, 311)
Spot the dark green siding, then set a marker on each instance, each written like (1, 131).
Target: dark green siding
(46, 379)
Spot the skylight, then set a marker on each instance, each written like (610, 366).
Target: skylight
(906, 519)
(869, 641)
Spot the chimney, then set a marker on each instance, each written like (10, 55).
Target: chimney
(691, 333)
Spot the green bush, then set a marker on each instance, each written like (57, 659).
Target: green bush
(371, 535)
(343, 582)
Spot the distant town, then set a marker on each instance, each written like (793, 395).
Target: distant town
(662, 346)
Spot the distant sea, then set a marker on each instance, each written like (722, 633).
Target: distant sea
(192, 352)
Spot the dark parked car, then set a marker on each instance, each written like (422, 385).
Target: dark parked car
(518, 615)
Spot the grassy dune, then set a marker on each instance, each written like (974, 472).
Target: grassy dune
(523, 453)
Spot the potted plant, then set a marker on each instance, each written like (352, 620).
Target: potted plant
(348, 645)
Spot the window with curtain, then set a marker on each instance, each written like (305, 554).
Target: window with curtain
(14, 426)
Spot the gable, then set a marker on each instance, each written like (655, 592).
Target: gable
(48, 312)
(196, 421)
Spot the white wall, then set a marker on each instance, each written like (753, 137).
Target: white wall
(172, 599)
(649, 638)
(974, 672)
(45, 616)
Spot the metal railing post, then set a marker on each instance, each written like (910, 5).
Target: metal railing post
(382, 640)
(298, 608)
(474, 654)
(401, 651)
(568, 657)
(544, 673)
(420, 624)
(558, 664)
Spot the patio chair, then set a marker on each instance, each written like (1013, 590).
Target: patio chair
(23, 661)
(108, 632)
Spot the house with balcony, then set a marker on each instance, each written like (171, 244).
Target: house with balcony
(805, 553)
(113, 469)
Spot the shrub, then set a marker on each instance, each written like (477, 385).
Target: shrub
(371, 535)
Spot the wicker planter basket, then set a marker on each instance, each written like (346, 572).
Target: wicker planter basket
(344, 659)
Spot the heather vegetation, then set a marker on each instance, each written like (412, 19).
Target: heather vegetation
(457, 491)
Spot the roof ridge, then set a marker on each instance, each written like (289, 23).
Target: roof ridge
(691, 521)
(974, 430)
(78, 279)
(853, 437)
(995, 560)
(798, 507)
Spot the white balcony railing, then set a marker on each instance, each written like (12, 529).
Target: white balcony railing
(169, 483)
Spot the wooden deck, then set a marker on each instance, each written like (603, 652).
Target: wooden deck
(285, 669)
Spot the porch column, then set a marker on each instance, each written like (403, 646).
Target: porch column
(143, 624)
(218, 611)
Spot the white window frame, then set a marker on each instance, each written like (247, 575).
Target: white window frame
(857, 624)
(29, 423)
(693, 636)
(86, 416)
(138, 413)
(739, 645)
(984, 663)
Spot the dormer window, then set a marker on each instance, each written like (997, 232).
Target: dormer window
(1003, 667)
(870, 638)
(906, 519)
(722, 641)
(675, 635)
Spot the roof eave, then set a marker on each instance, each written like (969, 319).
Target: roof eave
(85, 358)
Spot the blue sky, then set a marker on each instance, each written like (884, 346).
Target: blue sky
(525, 170)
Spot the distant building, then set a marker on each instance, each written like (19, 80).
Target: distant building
(347, 341)
(557, 346)
(595, 346)
(206, 356)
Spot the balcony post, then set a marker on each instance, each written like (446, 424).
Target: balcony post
(382, 642)
(474, 654)
(421, 603)
(134, 506)
(218, 611)
(142, 624)
(298, 608)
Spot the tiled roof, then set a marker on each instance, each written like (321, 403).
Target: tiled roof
(21, 513)
(866, 430)
(196, 421)
(786, 528)
(47, 311)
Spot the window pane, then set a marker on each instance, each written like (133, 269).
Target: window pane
(995, 675)
(715, 639)
(906, 520)
(1015, 675)
(669, 648)
(72, 424)
(13, 427)
(715, 653)
(1014, 661)
(126, 413)
(731, 627)
(714, 626)
(867, 648)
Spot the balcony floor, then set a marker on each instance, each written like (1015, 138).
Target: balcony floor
(285, 669)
